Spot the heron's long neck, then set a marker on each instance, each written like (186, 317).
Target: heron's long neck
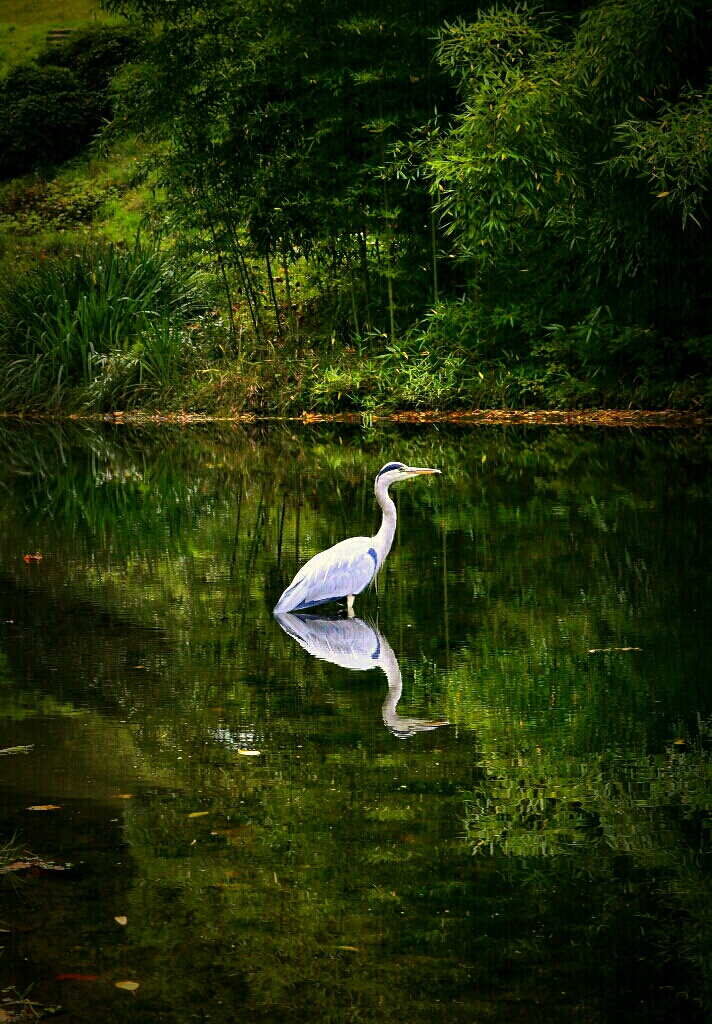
(384, 538)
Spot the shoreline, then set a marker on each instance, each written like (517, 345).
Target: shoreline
(477, 417)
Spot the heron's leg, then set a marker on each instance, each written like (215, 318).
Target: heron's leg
(350, 606)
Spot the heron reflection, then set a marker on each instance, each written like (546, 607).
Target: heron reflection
(354, 644)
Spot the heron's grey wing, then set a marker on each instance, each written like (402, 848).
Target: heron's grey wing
(345, 569)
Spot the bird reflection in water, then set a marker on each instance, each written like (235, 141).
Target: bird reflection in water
(353, 643)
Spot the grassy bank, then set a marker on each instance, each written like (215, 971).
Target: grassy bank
(52, 228)
(88, 326)
(302, 356)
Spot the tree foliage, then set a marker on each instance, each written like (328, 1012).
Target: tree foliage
(280, 118)
(514, 193)
(569, 185)
(573, 182)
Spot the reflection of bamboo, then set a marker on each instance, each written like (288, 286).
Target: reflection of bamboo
(444, 549)
(281, 531)
(256, 539)
(233, 560)
(299, 509)
(237, 530)
(344, 520)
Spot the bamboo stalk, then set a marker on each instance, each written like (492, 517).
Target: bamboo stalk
(354, 308)
(433, 238)
(221, 264)
(389, 280)
(365, 277)
(292, 318)
(273, 294)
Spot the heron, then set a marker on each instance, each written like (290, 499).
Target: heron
(347, 568)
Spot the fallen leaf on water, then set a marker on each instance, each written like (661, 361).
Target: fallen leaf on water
(121, 919)
(250, 753)
(127, 986)
(45, 807)
(608, 650)
(198, 814)
(33, 861)
(37, 557)
(76, 977)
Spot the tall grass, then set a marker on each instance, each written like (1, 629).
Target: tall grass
(69, 321)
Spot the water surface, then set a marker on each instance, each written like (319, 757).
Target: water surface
(487, 798)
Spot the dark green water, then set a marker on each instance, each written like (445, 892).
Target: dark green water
(299, 839)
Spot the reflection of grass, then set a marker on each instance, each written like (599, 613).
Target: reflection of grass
(9, 852)
(18, 707)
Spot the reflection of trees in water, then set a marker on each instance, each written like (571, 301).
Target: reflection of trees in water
(167, 548)
(556, 543)
(80, 652)
(635, 827)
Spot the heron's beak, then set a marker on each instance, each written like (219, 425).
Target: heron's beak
(420, 470)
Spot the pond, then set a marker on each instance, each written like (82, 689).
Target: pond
(487, 797)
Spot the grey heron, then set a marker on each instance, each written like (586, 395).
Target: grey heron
(344, 570)
(355, 644)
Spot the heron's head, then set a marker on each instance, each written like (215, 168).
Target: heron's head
(394, 472)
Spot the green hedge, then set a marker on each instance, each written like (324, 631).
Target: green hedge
(56, 105)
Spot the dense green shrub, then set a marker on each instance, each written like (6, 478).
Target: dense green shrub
(53, 107)
(572, 187)
(69, 321)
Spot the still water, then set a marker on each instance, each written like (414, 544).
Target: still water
(485, 799)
